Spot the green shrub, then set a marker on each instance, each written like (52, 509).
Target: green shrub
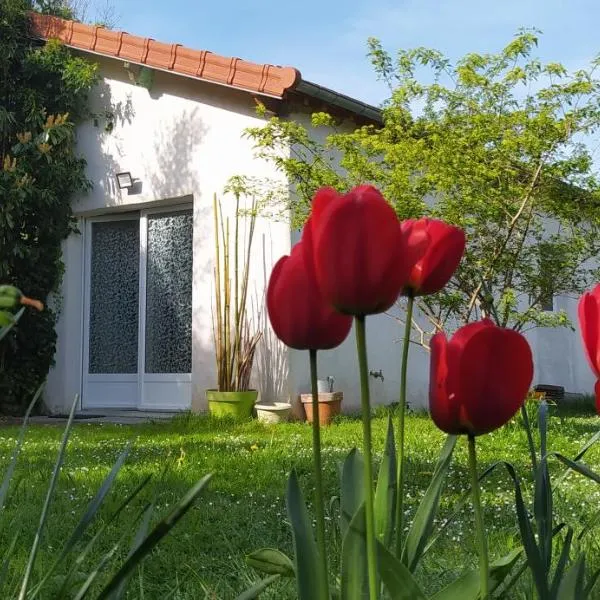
(43, 95)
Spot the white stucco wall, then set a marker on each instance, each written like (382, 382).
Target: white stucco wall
(181, 139)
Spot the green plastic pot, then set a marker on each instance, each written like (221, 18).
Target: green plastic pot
(237, 405)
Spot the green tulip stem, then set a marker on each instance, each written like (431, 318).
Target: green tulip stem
(401, 426)
(479, 525)
(361, 345)
(319, 507)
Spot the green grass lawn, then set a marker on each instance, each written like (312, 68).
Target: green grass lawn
(244, 509)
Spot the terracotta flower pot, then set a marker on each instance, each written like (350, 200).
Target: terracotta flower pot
(330, 405)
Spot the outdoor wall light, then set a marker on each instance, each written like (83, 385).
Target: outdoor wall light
(124, 180)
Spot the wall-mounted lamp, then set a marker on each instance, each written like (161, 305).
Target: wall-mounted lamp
(124, 180)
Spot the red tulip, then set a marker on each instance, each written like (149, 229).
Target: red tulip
(589, 323)
(479, 379)
(361, 255)
(299, 315)
(441, 259)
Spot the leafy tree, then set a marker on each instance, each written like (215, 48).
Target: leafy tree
(43, 95)
(496, 144)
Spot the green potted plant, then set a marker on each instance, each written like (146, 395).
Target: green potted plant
(235, 341)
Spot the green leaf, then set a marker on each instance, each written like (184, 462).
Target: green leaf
(468, 586)
(138, 539)
(542, 505)
(354, 559)
(352, 488)
(579, 467)
(17, 449)
(385, 492)
(562, 563)
(572, 586)
(86, 519)
(308, 566)
(159, 532)
(49, 495)
(422, 525)
(532, 552)
(7, 328)
(397, 579)
(272, 562)
(593, 579)
(253, 592)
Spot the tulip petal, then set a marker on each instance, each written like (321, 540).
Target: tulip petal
(494, 376)
(358, 251)
(443, 258)
(299, 316)
(589, 323)
(442, 407)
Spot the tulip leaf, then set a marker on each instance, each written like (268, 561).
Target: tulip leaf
(468, 586)
(572, 586)
(352, 488)
(542, 505)
(271, 562)
(397, 579)
(562, 563)
(308, 567)
(592, 580)
(422, 525)
(252, 593)
(354, 559)
(579, 467)
(534, 559)
(385, 492)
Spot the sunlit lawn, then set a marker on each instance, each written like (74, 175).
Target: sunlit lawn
(244, 507)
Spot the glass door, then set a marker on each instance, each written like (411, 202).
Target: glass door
(138, 346)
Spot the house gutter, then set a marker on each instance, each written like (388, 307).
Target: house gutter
(330, 97)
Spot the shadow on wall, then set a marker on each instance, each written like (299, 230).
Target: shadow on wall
(172, 170)
(271, 367)
(105, 157)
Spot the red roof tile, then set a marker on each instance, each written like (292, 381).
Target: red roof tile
(265, 79)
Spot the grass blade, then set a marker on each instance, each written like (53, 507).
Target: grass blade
(17, 449)
(385, 492)
(542, 504)
(47, 502)
(422, 525)
(308, 569)
(7, 556)
(159, 532)
(253, 592)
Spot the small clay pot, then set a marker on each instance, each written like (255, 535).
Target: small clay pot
(330, 405)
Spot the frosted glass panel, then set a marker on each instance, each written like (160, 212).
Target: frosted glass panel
(114, 297)
(169, 293)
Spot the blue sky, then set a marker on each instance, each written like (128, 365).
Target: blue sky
(326, 40)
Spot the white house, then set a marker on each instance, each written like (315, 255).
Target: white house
(135, 329)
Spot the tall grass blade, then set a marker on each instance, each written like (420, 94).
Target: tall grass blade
(157, 534)
(47, 502)
(17, 449)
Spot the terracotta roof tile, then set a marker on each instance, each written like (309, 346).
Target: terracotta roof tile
(265, 79)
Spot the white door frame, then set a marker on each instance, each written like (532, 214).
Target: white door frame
(152, 385)
(148, 390)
